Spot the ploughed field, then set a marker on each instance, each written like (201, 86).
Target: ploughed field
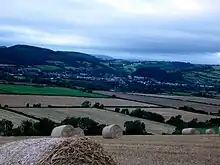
(167, 113)
(165, 101)
(22, 100)
(158, 150)
(101, 116)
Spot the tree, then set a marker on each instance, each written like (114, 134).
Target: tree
(86, 104)
(96, 105)
(44, 127)
(137, 113)
(134, 128)
(27, 128)
(117, 110)
(27, 105)
(177, 121)
(113, 96)
(125, 111)
(5, 127)
(101, 106)
(74, 121)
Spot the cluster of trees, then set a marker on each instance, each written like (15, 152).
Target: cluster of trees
(142, 114)
(45, 126)
(194, 123)
(191, 109)
(88, 104)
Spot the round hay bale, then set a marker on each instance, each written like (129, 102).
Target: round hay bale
(210, 131)
(78, 131)
(55, 151)
(112, 131)
(190, 131)
(63, 131)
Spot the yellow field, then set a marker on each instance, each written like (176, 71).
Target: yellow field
(159, 150)
(167, 113)
(22, 100)
(101, 116)
(15, 118)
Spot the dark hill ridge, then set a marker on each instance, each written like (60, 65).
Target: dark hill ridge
(31, 55)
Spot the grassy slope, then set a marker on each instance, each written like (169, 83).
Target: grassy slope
(54, 91)
(208, 77)
(48, 67)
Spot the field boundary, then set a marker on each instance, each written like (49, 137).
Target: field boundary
(180, 99)
(63, 106)
(146, 102)
(21, 113)
(28, 94)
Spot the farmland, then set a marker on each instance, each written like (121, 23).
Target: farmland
(40, 90)
(22, 100)
(184, 98)
(101, 116)
(15, 118)
(166, 102)
(158, 150)
(167, 113)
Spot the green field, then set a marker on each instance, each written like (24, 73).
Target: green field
(53, 91)
(48, 67)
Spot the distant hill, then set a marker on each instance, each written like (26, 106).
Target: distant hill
(30, 55)
(104, 57)
(158, 74)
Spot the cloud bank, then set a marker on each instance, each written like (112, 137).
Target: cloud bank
(175, 30)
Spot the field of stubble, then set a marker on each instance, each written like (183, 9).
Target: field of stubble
(22, 100)
(159, 150)
(165, 101)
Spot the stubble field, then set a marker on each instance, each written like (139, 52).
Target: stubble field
(15, 118)
(167, 113)
(22, 100)
(101, 116)
(184, 98)
(165, 101)
(158, 150)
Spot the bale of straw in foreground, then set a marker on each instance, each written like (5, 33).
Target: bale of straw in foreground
(190, 131)
(210, 131)
(54, 151)
(112, 131)
(66, 131)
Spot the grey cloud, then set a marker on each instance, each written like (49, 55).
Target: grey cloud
(112, 32)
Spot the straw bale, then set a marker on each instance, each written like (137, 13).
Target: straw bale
(210, 131)
(66, 131)
(55, 151)
(112, 131)
(190, 131)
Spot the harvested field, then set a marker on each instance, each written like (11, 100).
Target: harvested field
(184, 98)
(15, 118)
(167, 113)
(101, 116)
(22, 100)
(166, 102)
(158, 150)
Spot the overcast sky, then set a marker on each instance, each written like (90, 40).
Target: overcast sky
(174, 30)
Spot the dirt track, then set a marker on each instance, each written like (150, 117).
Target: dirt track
(160, 150)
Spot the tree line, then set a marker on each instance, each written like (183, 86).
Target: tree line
(44, 127)
(176, 121)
